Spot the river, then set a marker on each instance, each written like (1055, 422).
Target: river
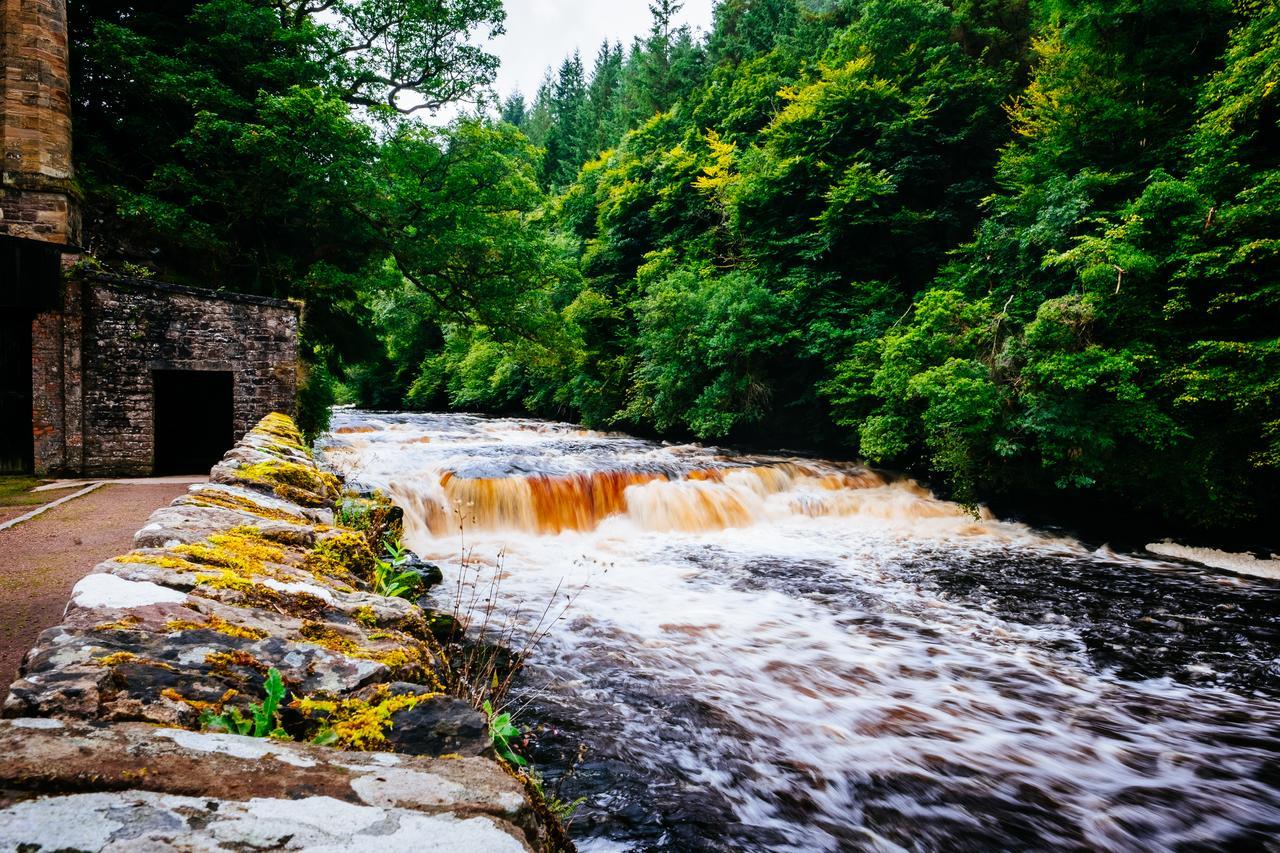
(768, 653)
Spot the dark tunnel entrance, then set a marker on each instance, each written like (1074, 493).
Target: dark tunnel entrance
(194, 420)
(15, 391)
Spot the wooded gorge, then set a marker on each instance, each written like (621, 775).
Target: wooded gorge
(1027, 249)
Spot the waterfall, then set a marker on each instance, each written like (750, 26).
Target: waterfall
(782, 653)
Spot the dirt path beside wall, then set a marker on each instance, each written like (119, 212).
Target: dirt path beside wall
(41, 559)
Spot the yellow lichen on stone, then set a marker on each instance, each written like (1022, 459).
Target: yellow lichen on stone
(366, 617)
(250, 542)
(252, 594)
(357, 724)
(215, 707)
(345, 556)
(225, 580)
(224, 500)
(302, 484)
(280, 428)
(160, 561)
(243, 550)
(325, 635)
(222, 626)
(124, 623)
(410, 661)
(116, 659)
(222, 662)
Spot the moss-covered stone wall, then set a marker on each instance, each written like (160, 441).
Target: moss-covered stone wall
(246, 577)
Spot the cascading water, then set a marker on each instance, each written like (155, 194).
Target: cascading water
(783, 654)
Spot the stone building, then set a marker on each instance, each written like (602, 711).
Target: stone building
(99, 374)
(135, 377)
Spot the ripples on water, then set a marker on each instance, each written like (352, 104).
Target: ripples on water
(778, 654)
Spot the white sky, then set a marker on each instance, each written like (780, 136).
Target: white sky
(541, 33)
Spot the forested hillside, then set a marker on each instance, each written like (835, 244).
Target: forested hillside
(1027, 249)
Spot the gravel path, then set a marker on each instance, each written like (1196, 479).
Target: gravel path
(8, 512)
(41, 559)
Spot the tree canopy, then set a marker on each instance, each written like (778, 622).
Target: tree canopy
(1026, 249)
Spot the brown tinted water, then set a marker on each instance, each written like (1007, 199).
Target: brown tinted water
(781, 654)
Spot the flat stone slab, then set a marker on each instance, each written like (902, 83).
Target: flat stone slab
(119, 822)
(216, 491)
(69, 785)
(182, 523)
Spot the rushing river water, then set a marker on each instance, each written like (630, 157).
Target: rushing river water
(786, 654)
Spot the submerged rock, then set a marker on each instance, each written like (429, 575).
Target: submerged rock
(441, 725)
(1240, 563)
(431, 574)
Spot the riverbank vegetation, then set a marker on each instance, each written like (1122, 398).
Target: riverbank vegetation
(1027, 249)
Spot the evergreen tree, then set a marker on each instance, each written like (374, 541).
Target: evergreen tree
(568, 137)
(514, 111)
(603, 95)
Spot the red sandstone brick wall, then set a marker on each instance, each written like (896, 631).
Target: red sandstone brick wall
(93, 363)
(37, 191)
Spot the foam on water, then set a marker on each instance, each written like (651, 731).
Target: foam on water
(787, 654)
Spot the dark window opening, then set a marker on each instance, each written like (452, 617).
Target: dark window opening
(15, 392)
(30, 274)
(194, 420)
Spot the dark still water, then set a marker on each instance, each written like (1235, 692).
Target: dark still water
(775, 654)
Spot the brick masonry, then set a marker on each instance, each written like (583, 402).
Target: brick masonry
(93, 366)
(38, 195)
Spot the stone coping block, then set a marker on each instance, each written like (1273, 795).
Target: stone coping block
(130, 786)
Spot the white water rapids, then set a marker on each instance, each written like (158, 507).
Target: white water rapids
(779, 654)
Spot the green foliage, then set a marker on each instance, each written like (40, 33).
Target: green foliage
(705, 361)
(183, 113)
(575, 116)
(562, 810)
(504, 734)
(227, 143)
(406, 55)
(316, 397)
(15, 490)
(263, 719)
(376, 517)
(388, 580)
(1021, 247)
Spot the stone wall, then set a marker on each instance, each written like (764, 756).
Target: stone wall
(104, 747)
(93, 366)
(37, 191)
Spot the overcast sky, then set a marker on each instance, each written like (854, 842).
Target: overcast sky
(541, 33)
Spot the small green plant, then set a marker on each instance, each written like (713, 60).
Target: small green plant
(325, 737)
(389, 580)
(564, 810)
(376, 517)
(353, 513)
(396, 552)
(504, 732)
(263, 719)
